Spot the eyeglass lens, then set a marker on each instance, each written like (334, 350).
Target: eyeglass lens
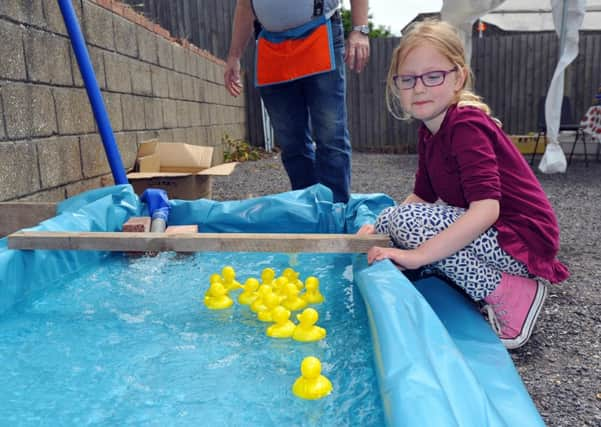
(433, 78)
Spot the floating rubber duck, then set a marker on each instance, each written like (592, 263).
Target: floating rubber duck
(306, 330)
(279, 285)
(312, 294)
(215, 277)
(229, 278)
(249, 293)
(292, 301)
(292, 277)
(283, 327)
(271, 301)
(258, 304)
(216, 297)
(267, 276)
(311, 384)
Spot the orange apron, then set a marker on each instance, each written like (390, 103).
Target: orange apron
(293, 54)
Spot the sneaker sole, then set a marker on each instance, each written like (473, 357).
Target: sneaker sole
(535, 308)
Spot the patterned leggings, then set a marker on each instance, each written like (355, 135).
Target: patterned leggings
(476, 268)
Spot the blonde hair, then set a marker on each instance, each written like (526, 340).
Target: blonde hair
(445, 39)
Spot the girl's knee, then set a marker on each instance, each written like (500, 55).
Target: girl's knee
(407, 214)
(396, 215)
(400, 224)
(382, 222)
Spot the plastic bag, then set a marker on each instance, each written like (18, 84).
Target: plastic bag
(554, 160)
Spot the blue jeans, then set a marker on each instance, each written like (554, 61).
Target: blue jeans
(314, 109)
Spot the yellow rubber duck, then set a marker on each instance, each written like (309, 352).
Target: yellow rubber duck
(279, 285)
(283, 327)
(229, 278)
(312, 294)
(216, 297)
(292, 301)
(258, 304)
(271, 301)
(215, 277)
(267, 276)
(306, 330)
(311, 384)
(292, 277)
(249, 293)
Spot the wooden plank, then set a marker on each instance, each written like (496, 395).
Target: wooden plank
(17, 215)
(200, 242)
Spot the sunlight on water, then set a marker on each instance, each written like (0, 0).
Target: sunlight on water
(130, 342)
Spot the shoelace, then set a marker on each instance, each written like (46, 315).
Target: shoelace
(491, 315)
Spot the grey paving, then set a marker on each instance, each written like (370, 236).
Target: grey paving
(561, 365)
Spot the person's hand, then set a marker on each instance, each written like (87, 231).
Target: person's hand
(367, 229)
(357, 51)
(405, 259)
(231, 76)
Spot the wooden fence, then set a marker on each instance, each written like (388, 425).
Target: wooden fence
(512, 71)
(205, 23)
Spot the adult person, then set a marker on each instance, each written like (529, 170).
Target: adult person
(301, 78)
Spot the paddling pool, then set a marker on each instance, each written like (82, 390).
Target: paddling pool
(90, 338)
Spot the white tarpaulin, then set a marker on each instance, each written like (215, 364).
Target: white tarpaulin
(463, 13)
(567, 17)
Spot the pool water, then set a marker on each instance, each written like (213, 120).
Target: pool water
(130, 342)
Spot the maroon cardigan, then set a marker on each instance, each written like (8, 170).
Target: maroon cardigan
(470, 158)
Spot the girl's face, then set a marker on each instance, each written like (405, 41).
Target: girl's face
(429, 103)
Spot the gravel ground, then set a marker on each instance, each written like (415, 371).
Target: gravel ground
(561, 365)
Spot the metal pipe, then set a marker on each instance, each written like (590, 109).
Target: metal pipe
(89, 77)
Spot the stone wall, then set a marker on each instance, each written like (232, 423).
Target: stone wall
(153, 86)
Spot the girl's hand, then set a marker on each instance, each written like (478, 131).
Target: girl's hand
(405, 259)
(367, 229)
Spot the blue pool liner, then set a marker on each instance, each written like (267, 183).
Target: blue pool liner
(438, 361)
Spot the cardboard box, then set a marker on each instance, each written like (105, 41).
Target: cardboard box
(526, 143)
(184, 171)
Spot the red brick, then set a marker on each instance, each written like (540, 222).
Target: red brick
(104, 3)
(131, 15)
(118, 8)
(139, 224)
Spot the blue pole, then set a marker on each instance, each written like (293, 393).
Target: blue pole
(89, 78)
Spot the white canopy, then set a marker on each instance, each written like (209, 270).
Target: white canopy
(537, 15)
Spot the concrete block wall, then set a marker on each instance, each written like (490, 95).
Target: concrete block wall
(153, 86)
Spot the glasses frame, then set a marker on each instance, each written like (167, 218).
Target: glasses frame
(417, 77)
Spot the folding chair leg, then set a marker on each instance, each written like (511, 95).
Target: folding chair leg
(584, 146)
(579, 135)
(572, 150)
(536, 147)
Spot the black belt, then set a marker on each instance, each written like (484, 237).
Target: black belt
(317, 7)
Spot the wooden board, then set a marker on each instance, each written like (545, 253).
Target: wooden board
(196, 242)
(17, 215)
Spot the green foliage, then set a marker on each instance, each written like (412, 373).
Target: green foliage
(374, 32)
(238, 150)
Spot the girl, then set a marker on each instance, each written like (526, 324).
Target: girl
(495, 230)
